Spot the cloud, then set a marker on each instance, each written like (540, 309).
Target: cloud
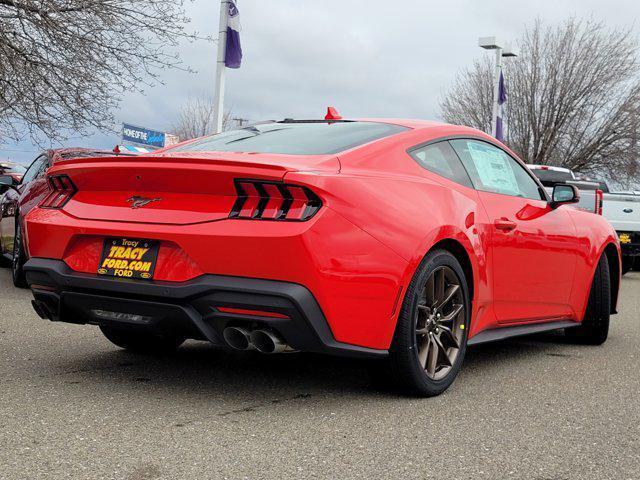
(365, 57)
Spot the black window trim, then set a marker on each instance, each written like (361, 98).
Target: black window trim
(448, 138)
(46, 161)
(410, 151)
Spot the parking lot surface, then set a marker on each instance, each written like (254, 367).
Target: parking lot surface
(74, 406)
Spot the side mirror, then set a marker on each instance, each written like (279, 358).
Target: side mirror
(564, 195)
(7, 182)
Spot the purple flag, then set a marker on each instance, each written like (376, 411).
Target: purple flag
(502, 99)
(233, 51)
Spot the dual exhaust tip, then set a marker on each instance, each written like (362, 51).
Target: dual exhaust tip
(262, 340)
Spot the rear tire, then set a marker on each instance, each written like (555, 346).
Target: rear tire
(19, 259)
(594, 328)
(142, 342)
(430, 340)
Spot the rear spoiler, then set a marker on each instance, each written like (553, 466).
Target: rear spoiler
(57, 158)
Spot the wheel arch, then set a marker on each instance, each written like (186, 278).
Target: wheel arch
(25, 243)
(457, 250)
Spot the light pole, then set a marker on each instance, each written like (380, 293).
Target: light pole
(229, 54)
(502, 50)
(220, 67)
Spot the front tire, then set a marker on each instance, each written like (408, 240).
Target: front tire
(19, 259)
(430, 340)
(594, 328)
(141, 341)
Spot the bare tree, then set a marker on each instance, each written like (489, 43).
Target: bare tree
(195, 119)
(573, 98)
(64, 64)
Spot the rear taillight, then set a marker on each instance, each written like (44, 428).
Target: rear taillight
(61, 190)
(599, 201)
(259, 200)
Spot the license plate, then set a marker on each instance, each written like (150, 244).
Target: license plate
(128, 258)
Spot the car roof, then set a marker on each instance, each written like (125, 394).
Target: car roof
(411, 123)
(437, 129)
(403, 122)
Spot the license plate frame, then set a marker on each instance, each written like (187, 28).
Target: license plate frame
(128, 258)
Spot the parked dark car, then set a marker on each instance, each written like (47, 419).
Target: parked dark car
(23, 190)
(15, 170)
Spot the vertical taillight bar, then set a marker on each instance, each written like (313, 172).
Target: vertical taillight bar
(261, 200)
(61, 190)
(599, 201)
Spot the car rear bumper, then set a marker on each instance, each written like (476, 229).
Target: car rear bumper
(191, 307)
(356, 280)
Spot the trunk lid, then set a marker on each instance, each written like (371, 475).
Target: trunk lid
(192, 187)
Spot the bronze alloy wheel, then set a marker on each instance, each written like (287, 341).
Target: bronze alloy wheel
(440, 323)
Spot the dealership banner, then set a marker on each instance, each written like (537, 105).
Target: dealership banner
(142, 136)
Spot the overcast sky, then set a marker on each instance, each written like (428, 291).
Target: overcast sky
(365, 57)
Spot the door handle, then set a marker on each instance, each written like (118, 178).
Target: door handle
(504, 224)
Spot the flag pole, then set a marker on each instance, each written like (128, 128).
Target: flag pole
(220, 67)
(496, 90)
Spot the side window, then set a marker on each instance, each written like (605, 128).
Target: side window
(38, 166)
(440, 159)
(493, 170)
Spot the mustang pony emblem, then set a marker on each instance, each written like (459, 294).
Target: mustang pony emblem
(138, 202)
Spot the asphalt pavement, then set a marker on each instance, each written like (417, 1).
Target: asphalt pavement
(74, 406)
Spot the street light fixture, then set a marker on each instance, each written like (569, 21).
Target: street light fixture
(502, 50)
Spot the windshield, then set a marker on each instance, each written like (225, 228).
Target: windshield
(293, 138)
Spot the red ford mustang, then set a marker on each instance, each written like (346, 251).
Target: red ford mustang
(399, 240)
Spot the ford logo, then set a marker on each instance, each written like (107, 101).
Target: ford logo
(628, 210)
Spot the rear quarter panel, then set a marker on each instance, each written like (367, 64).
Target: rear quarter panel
(593, 235)
(385, 192)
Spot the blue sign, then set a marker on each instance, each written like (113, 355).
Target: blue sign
(142, 136)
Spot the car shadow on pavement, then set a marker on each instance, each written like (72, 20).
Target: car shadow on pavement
(525, 347)
(199, 368)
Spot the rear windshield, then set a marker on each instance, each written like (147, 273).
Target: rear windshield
(293, 138)
(551, 177)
